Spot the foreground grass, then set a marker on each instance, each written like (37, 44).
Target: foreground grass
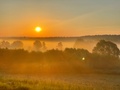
(35, 85)
(80, 82)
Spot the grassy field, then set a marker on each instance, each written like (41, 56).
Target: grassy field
(60, 82)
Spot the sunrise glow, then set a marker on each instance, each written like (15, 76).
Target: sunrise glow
(38, 29)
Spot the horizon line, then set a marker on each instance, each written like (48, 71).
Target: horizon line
(56, 36)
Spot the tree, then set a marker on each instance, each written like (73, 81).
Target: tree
(17, 44)
(4, 44)
(37, 45)
(106, 48)
(60, 46)
(44, 48)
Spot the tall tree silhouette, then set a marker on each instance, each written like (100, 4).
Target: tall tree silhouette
(60, 46)
(37, 45)
(4, 44)
(106, 48)
(17, 45)
(44, 48)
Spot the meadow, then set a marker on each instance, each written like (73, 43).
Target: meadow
(58, 82)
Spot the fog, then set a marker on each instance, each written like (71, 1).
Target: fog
(48, 44)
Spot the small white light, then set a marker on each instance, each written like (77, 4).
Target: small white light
(83, 58)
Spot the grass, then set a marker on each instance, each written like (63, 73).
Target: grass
(67, 82)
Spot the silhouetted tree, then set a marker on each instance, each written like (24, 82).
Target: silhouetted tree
(4, 44)
(37, 45)
(60, 46)
(106, 48)
(17, 45)
(44, 48)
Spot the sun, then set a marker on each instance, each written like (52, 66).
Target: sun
(38, 29)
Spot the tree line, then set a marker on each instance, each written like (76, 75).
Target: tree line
(37, 45)
(104, 55)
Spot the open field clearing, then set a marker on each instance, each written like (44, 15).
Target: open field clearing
(60, 82)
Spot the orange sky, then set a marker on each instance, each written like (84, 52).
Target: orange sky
(59, 17)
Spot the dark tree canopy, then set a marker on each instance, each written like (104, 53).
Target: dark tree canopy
(37, 45)
(4, 44)
(60, 46)
(106, 48)
(17, 44)
(44, 48)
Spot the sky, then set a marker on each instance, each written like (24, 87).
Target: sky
(59, 18)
